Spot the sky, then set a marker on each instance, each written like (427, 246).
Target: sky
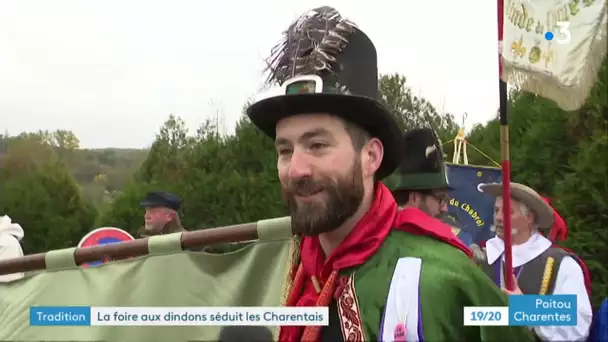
(112, 71)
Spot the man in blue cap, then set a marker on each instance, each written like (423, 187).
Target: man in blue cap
(161, 215)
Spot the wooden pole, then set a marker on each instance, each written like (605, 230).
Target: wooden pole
(135, 248)
(505, 159)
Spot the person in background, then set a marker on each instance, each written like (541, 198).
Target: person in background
(535, 256)
(10, 247)
(161, 215)
(422, 181)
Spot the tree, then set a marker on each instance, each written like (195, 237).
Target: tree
(412, 111)
(65, 140)
(39, 193)
(580, 197)
(166, 158)
(24, 153)
(581, 192)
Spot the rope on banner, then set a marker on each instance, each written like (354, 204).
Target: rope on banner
(460, 147)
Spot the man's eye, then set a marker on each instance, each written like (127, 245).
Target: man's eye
(284, 151)
(317, 145)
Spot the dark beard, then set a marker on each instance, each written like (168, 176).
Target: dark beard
(426, 209)
(344, 197)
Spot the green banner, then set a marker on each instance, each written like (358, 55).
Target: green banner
(251, 276)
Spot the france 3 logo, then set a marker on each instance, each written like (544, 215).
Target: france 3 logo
(563, 33)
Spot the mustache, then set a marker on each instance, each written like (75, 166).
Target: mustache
(495, 227)
(304, 186)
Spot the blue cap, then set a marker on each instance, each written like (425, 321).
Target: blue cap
(161, 199)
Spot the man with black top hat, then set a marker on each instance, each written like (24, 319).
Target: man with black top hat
(161, 215)
(334, 143)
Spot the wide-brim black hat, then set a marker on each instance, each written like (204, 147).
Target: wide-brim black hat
(327, 65)
(422, 166)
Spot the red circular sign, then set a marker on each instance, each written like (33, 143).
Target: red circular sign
(103, 236)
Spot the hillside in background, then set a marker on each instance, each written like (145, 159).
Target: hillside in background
(100, 173)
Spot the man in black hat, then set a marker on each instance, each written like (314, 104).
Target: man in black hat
(422, 180)
(334, 142)
(161, 215)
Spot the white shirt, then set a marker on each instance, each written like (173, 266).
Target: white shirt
(10, 247)
(570, 280)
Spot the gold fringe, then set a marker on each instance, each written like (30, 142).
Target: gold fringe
(571, 97)
(294, 261)
(544, 286)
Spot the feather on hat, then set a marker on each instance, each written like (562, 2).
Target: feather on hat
(326, 64)
(422, 166)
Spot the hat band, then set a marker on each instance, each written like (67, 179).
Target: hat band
(311, 84)
(422, 181)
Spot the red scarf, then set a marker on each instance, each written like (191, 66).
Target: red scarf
(559, 230)
(416, 221)
(356, 249)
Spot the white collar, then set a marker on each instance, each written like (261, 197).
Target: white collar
(523, 253)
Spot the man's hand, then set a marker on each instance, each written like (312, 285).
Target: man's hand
(517, 290)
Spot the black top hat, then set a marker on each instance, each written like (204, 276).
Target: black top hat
(422, 166)
(161, 199)
(325, 64)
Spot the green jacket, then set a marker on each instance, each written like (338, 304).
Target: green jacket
(445, 282)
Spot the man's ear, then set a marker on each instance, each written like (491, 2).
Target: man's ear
(374, 152)
(413, 198)
(531, 217)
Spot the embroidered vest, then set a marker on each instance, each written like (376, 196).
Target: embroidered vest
(537, 276)
(385, 291)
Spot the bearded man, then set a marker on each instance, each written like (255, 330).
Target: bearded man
(384, 274)
(422, 180)
(540, 267)
(161, 215)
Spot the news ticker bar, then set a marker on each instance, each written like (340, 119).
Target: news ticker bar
(525, 310)
(177, 316)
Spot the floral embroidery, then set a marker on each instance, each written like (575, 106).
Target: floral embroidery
(348, 310)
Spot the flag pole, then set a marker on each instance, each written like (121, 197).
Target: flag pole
(505, 160)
